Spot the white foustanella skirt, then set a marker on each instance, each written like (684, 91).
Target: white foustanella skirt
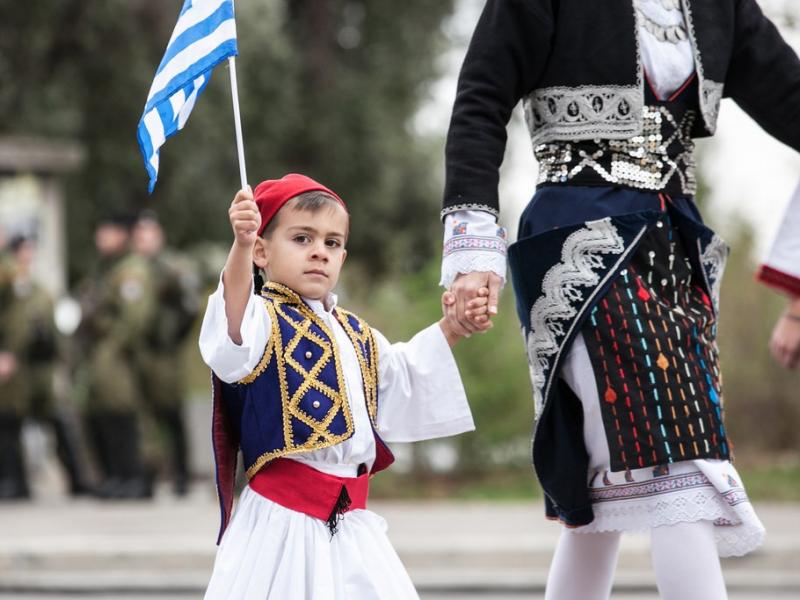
(270, 552)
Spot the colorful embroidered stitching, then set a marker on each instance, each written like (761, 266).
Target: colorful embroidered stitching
(662, 485)
(474, 242)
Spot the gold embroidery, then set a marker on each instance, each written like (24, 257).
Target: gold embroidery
(283, 298)
(369, 370)
(264, 362)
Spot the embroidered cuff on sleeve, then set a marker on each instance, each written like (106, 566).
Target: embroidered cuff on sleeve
(779, 280)
(473, 242)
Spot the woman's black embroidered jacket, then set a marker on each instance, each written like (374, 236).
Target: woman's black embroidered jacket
(576, 66)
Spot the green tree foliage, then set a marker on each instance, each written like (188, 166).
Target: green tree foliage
(327, 88)
(492, 365)
(762, 412)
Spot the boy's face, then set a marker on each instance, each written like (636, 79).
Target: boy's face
(306, 250)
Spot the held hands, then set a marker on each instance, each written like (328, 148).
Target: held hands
(470, 304)
(785, 342)
(245, 218)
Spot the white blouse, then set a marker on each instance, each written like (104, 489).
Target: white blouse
(420, 393)
(784, 256)
(668, 65)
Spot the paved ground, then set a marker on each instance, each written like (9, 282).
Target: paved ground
(56, 548)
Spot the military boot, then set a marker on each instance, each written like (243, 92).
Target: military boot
(137, 479)
(13, 477)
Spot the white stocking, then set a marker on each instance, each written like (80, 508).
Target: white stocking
(583, 566)
(686, 562)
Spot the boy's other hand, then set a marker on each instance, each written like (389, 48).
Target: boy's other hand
(481, 322)
(477, 309)
(245, 218)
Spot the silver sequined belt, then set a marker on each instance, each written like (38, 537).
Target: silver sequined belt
(661, 159)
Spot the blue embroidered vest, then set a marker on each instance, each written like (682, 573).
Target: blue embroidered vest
(295, 400)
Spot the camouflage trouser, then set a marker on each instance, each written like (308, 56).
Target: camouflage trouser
(15, 394)
(161, 379)
(111, 378)
(41, 395)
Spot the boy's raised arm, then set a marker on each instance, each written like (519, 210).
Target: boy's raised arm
(238, 274)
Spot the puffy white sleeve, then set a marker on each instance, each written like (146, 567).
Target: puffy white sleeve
(473, 241)
(781, 269)
(420, 393)
(230, 361)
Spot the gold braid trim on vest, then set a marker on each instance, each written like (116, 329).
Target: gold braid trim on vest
(369, 372)
(277, 298)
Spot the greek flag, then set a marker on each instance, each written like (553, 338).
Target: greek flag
(204, 36)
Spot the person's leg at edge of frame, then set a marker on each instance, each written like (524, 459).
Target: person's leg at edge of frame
(686, 562)
(583, 566)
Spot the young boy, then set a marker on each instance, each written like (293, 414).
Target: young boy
(311, 393)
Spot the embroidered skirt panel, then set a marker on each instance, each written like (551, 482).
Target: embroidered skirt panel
(652, 343)
(580, 251)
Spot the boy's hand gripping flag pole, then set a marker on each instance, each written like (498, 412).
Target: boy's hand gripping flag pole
(204, 36)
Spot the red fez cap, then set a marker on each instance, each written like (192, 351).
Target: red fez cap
(272, 194)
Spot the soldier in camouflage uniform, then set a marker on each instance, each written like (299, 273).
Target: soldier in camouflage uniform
(173, 285)
(28, 350)
(115, 304)
(13, 480)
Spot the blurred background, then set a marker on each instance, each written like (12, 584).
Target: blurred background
(104, 399)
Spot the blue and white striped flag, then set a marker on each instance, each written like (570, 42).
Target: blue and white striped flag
(204, 36)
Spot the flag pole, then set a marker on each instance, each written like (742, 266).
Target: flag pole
(237, 120)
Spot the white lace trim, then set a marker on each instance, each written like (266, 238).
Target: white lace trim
(612, 111)
(738, 529)
(584, 112)
(710, 91)
(472, 261)
(710, 102)
(473, 243)
(580, 258)
(714, 257)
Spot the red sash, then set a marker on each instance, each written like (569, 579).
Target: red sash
(299, 487)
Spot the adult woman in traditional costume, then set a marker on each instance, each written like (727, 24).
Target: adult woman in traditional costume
(615, 274)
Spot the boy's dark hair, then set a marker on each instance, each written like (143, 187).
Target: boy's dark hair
(313, 202)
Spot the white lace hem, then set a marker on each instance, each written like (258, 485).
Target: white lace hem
(472, 261)
(737, 530)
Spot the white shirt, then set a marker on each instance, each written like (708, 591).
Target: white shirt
(784, 256)
(420, 393)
